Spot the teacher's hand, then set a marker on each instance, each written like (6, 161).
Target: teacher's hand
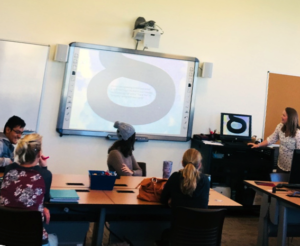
(253, 145)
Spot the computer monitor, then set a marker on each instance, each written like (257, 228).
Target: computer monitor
(295, 168)
(235, 127)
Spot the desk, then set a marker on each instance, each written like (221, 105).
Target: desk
(100, 206)
(62, 180)
(131, 182)
(230, 165)
(83, 181)
(285, 203)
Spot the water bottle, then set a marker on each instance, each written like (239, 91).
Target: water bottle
(167, 169)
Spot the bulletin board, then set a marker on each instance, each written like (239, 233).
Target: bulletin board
(283, 91)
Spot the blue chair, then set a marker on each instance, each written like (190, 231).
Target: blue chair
(279, 177)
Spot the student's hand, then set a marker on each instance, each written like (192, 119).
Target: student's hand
(254, 145)
(126, 169)
(43, 160)
(47, 215)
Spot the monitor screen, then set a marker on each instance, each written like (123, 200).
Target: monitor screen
(295, 168)
(151, 91)
(235, 127)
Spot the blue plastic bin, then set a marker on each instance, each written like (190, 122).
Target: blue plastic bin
(98, 181)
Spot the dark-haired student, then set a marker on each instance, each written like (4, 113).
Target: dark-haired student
(120, 156)
(12, 132)
(188, 187)
(288, 132)
(26, 182)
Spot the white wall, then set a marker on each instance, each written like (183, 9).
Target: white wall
(244, 40)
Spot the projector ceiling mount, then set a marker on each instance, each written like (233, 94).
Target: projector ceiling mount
(147, 31)
(142, 23)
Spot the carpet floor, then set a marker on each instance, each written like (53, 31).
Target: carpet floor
(238, 230)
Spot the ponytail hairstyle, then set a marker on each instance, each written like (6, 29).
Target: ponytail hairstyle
(191, 162)
(28, 148)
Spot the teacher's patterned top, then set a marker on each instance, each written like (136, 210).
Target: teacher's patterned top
(287, 146)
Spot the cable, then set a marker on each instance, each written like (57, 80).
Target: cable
(160, 29)
(137, 43)
(145, 47)
(114, 234)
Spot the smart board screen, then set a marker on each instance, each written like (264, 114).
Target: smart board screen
(151, 92)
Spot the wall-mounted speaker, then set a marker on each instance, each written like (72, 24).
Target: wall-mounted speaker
(61, 53)
(207, 69)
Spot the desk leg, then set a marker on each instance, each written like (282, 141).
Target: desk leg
(99, 229)
(262, 238)
(282, 226)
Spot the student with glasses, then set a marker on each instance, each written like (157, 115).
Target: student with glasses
(12, 132)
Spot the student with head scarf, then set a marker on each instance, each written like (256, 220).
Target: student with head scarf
(120, 156)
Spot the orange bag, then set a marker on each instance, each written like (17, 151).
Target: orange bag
(151, 188)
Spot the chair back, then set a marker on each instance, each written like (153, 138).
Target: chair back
(191, 226)
(20, 227)
(279, 177)
(143, 167)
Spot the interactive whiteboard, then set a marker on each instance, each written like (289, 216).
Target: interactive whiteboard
(151, 91)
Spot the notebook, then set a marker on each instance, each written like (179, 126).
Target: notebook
(63, 196)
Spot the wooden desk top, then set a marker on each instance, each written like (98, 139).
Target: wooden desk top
(93, 197)
(59, 181)
(215, 199)
(279, 194)
(127, 198)
(132, 182)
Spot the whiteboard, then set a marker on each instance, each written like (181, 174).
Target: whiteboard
(22, 70)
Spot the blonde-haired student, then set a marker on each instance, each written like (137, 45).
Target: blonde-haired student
(188, 187)
(26, 182)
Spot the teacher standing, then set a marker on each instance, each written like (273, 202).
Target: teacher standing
(288, 132)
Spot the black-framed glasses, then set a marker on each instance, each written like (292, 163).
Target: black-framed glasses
(18, 132)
